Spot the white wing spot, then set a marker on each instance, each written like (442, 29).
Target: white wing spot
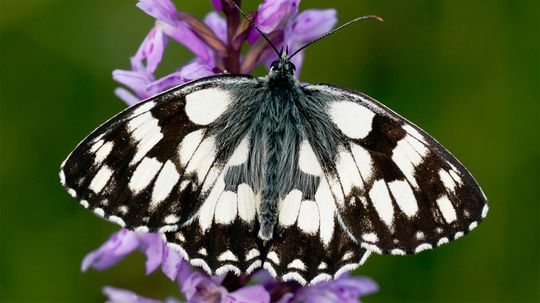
(227, 256)
(458, 235)
(171, 219)
(99, 211)
(447, 180)
(456, 177)
(322, 266)
(294, 276)
(246, 202)
(397, 252)
(327, 210)
(370, 237)
(404, 196)
(353, 119)
(144, 107)
(201, 264)
(320, 278)
(226, 208)
(382, 202)
(485, 211)
(96, 146)
(117, 220)
(228, 268)
(290, 207)
(307, 160)
(407, 158)
(413, 132)
(297, 264)
(447, 210)
(419, 235)
(442, 241)
(241, 153)
(348, 175)
(189, 145)
(205, 106)
(256, 264)
(252, 254)
(363, 161)
(473, 225)
(272, 256)
(308, 217)
(144, 174)
(203, 252)
(348, 255)
(202, 158)
(422, 247)
(206, 212)
(100, 179)
(103, 152)
(165, 182)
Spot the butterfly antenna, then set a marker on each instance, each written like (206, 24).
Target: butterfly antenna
(252, 24)
(335, 30)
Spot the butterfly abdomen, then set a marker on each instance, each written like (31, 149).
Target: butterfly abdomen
(279, 115)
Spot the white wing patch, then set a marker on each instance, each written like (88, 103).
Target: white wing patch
(447, 210)
(307, 160)
(202, 159)
(308, 217)
(100, 179)
(144, 174)
(382, 202)
(205, 106)
(327, 211)
(226, 208)
(353, 119)
(290, 207)
(348, 174)
(189, 145)
(404, 196)
(246, 202)
(165, 182)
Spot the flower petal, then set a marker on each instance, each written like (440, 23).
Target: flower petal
(162, 10)
(137, 81)
(183, 34)
(112, 251)
(217, 24)
(218, 5)
(152, 49)
(118, 295)
(313, 23)
(126, 96)
(248, 294)
(271, 15)
(345, 289)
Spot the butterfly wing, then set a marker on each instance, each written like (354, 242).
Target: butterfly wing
(159, 166)
(395, 188)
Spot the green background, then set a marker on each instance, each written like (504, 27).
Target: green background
(465, 71)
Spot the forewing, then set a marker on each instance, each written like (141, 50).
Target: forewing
(161, 166)
(397, 189)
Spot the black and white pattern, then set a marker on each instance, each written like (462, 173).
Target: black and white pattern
(240, 173)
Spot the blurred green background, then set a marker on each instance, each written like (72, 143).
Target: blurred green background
(465, 71)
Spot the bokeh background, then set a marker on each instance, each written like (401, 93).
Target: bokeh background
(465, 71)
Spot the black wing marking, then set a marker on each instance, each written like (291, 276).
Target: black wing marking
(397, 189)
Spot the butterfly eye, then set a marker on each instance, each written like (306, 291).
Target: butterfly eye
(274, 65)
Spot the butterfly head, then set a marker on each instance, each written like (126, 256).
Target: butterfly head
(283, 67)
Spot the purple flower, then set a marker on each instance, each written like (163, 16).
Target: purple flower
(117, 295)
(198, 286)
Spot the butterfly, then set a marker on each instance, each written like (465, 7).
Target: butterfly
(239, 173)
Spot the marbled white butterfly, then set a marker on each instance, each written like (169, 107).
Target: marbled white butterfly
(238, 173)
